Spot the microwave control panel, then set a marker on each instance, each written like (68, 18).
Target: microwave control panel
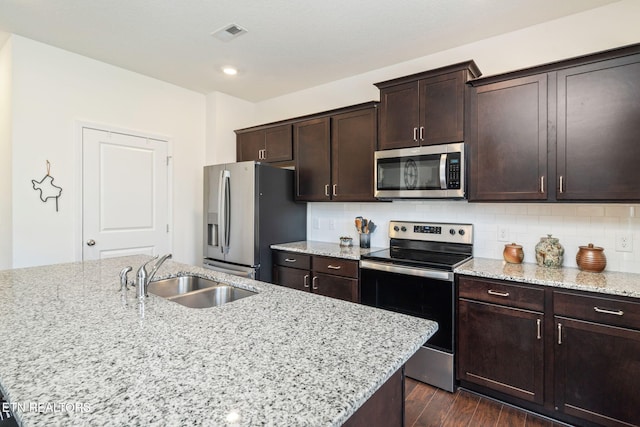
(453, 170)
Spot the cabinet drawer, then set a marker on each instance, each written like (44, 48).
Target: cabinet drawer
(292, 259)
(336, 266)
(610, 311)
(335, 287)
(526, 297)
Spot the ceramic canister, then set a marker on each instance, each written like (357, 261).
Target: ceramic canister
(549, 252)
(513, 253)
(591, 258)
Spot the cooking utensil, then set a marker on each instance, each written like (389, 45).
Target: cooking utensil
(359, 224)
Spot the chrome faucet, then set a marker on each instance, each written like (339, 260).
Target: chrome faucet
(143, 278)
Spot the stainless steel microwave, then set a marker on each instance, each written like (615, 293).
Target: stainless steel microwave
(431, 171)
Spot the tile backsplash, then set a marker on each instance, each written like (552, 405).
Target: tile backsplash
(495, 225)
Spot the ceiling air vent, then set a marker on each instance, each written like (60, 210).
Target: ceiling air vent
(229, 32)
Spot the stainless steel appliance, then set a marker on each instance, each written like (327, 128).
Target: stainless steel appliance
(415, 277)
(249, 206)
(432, 171)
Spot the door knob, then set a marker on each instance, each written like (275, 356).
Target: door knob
(91, 242)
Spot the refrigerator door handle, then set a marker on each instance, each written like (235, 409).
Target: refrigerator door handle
(227, 208)
(223, 206)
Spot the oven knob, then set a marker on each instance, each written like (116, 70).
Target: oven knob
(452, 231)
(403, 228)
(396, 228)
(461, 232)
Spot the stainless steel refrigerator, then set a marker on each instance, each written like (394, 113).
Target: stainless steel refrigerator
(249, 206)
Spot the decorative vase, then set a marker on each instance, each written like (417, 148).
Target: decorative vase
(513, 253)
(591, 258)
(549, 252)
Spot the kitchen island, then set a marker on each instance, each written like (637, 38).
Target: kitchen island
(77, 351)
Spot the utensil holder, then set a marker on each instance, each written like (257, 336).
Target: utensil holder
(365, 240)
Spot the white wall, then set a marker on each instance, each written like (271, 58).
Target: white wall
(225, 113)
(599, 29)
(52, 90)
(6, 238)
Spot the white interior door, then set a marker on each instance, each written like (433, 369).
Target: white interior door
(125, 204)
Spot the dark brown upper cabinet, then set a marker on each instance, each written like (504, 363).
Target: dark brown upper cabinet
(334, 155)
(509, 134)
(266, 144)
(565, 131)
(424, 109)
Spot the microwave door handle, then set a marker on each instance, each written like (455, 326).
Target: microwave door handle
(443, 168)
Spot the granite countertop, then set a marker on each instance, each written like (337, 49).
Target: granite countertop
(324, 248)
(607, 282)
(76, 351)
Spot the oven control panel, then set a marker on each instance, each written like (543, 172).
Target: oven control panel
(434, 232)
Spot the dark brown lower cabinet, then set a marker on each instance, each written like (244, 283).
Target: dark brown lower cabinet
(598, 372)
(501, 348)
(570, 355)
(328, 276)
(385, 408)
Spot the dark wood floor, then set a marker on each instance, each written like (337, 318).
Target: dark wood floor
(430, 406)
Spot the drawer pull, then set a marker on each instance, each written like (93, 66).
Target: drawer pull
(539, 324)
(498, 294)
(605, 311)
(306, 280)
(314, 282)
(559, 333)
(290, 260)
(334, 267)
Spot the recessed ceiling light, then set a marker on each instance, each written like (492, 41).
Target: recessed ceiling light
(230, 71)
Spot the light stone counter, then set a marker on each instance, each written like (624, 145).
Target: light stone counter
(325, 249)
(278, 358)
(607, 282)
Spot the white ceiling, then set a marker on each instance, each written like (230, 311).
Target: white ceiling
(290, 44)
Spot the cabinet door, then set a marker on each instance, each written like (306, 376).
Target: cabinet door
(399, 116)
(598, 372)
(278, 144)
(311, 152)
(442, 109)
(353, 142)
(598, 128)
(248, 146)
(336, 287)
(292, 277)
(501, 348)
(508, 150)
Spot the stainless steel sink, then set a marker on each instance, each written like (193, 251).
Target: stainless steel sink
(197, 292)
(179, 285)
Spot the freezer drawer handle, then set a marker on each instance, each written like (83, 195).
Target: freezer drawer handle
(605, 311)
(290, 260)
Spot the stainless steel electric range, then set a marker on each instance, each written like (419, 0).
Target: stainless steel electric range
(415, 277)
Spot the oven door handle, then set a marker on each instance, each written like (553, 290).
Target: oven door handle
(411, 271)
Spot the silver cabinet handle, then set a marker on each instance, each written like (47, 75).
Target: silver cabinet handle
(260, 154)
(498, 294)
(415, 134)
(559, 333)
(542, 184)
(306, 281)
(334, 267)
(314, 282)
(539, 325)
(421, 133)
(326, 190)
(561, 185)
(264, 154)
(335, 189)
(605, 311)
(91, 242)
(290, 260)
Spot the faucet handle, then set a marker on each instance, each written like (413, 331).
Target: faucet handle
(124, 283)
